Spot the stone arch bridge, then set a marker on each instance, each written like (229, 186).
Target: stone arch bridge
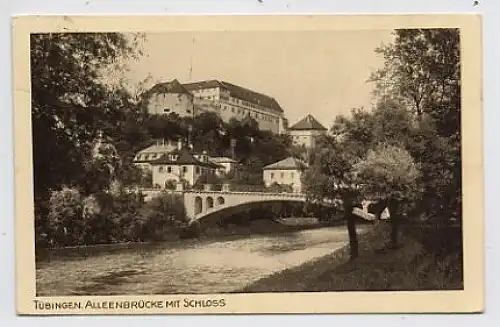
(202, 203)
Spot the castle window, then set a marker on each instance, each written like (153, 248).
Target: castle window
(160, 169)
(272, 175)
(184, 169)
(166, 110)
(197, 170)
(232, 109)
(169, 169)
(282, 175)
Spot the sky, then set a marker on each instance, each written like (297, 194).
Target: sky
(322, 73)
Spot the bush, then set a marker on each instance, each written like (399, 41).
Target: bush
(280, 188)
(208, 178)
(65, 218)
(163, 216)
(119, 218)
(170, 184)
(192, 230)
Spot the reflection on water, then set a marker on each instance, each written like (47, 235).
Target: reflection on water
(187, 267)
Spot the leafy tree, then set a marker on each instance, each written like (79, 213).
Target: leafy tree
(330, 178)
(170, 184)
(354, 131)
(391, 123)
(163, 214)
(389, 173)
(301, 152)
(71, 103)
(65, 216)
(208, 178)
(422, 72)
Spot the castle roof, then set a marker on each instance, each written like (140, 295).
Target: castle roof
(237, 92)
(308, 123)
(173, 86)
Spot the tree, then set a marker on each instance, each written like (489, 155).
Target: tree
(388, 173)
(354, 131)
(164, 214)
(208, 177)
(65, 225)
(70, 102)
(330, 178)
(280, 188)
(422, 72)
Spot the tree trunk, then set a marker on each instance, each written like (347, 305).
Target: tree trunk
(380, 207)
(351, 229)
(393, 206)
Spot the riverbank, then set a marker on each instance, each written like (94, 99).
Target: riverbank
(214, 233)
(377, 268)
(191, 267)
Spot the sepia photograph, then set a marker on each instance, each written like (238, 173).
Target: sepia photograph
(233, 162)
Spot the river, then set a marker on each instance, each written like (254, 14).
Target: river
(213, 266)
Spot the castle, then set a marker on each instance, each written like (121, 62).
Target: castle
(226, 99)
(168, 161)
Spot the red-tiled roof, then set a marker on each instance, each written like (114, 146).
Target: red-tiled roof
(308, 123)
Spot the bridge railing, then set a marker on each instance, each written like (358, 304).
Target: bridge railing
(250, 188)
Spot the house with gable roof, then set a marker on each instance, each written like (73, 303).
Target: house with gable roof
(285, 172)
(181, 165)
(305, 131)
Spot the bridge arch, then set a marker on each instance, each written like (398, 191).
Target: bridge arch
(224, 212)
(198, 205)
(210, 202)
(220, 200)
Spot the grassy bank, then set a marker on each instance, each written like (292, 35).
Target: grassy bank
(378, 268)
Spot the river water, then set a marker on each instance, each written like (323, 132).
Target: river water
(187, 267)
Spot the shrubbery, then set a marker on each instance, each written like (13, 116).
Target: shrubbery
(162, 217)
(75, 219)
(280, 188)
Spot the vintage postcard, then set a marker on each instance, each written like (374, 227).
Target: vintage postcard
(248, 164)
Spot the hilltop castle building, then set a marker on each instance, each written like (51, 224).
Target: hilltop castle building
(305, 132)
(225, 99)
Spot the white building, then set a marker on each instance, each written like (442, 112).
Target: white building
(144, 157)
(181, 165)
(285, 172)
(232, 101)
(225, 99)
(305, 132)
(227, 164)
(170, 97)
